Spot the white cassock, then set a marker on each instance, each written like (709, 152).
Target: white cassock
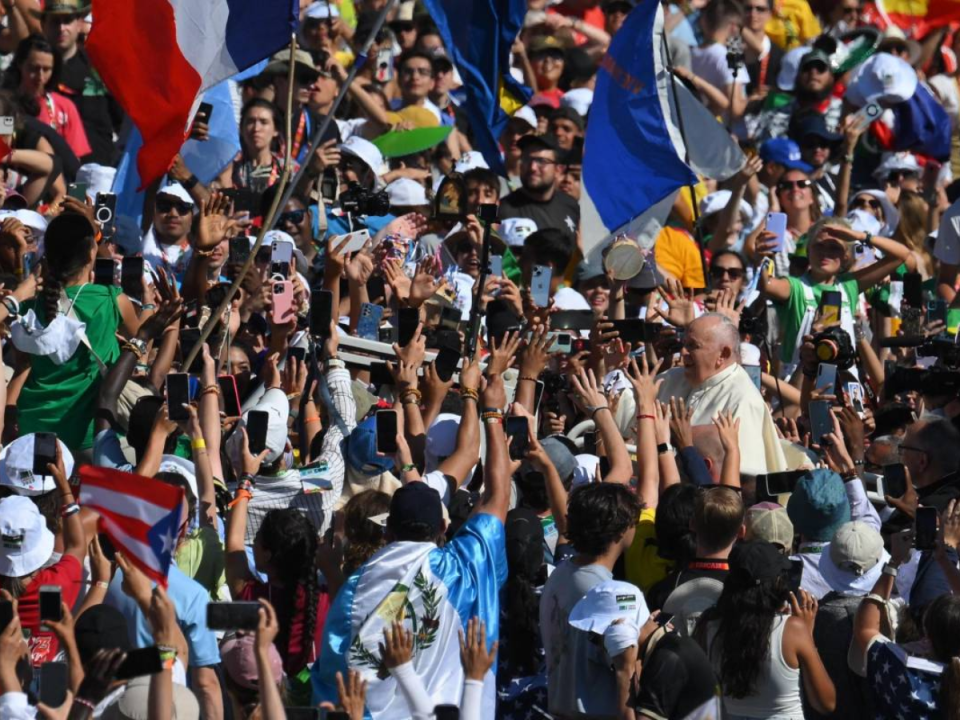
(733, 391)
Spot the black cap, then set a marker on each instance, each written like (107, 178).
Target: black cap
(538, 142)
(568, 113)
(758, 560)
(812, 124)
(101, 627)
(416, 503)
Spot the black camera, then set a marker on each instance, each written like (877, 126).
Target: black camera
(938, 381)
(358, 200)
(834, 345)
(753, 320)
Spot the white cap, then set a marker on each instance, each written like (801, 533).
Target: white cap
(891, 161)
(16, 467)
(717, 201)
(864, 222)
(527, 114)
(405, 192)
(470, 160)
(579, 99)
(441, 440)
(177, 190)
(789, 67)
(32, 219)
(586, 470)
(570, 299)
(609, 601)
(366, 151)
(882, 77)
(322, 11)
(25, 542)
(99, 178)
(891, 216)
(515, 230)
(182, 467)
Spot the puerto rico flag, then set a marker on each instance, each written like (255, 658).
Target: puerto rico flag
(141, 516)
(158, 56)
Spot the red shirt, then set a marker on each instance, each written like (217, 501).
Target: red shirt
(61, 114)
(66, 574)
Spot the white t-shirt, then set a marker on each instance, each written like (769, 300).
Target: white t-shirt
(710, 63)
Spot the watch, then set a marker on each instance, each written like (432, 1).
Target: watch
(891, 570)
(139, 345)
(664, 448)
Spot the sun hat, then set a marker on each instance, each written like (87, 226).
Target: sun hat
(405, 192)
(893, 161)
(365, 151)
(16, 467)
(818, 505)
(717, 201)
(25, 542)
(854, 560)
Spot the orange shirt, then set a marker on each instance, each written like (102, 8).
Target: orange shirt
(677, 253)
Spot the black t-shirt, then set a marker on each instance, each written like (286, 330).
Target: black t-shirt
(659, 593)
(100, 114)
(560, 211)
(678, 682)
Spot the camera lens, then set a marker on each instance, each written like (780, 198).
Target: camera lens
(278, 288)
(104, 214)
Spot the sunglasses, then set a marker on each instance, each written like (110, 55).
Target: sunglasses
(820, 67)
(305, 76)
(718, 272)
(898, 175)
(814, 141)
(294, 217)
(166, 204)
(785, 185)
(863, 202)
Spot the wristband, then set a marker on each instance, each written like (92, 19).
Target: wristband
(247, 478)
(148, 306)
(487, 410)
(199, 444)
(68, 510)
(598, 408)
(242, 494)
(876, 598)
(890, 570)
(646, 417)
(311, 419)
(411, 392)
(335, 363)
(868, 240)
(215, 389)
(528, 378)
(407, 467)
(203, 253)
(12, 305)
(86, 703)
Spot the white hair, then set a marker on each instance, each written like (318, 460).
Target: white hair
(725, 332)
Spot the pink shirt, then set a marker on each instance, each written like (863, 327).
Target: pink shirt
(65, 119)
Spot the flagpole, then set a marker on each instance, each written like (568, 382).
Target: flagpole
(359, 62)
(686, 150)
(268, 222)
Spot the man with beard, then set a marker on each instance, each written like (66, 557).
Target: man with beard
(813, 94)
(538, 198)
(817, 146)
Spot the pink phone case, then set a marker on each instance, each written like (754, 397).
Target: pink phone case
(282, 312)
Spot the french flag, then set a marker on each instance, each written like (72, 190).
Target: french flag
(141, 516)
(158, 56)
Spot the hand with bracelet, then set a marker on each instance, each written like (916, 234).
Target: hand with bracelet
(587, 393)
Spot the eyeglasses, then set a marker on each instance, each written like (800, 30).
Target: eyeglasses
(718, 272)
(539, 161)
(869, 202)
(166, 204)
(421, 71)
(294, 217)
(785, 185)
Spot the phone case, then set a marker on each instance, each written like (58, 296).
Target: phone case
(368, 327)
(496, 266)
(777, 223)
(820, 421)
(826, 378)
(540, 285)
(282, 311)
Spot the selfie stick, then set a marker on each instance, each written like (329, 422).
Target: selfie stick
(473, 326)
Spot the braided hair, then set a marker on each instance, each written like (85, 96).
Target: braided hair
(68, 243)
(291, 539)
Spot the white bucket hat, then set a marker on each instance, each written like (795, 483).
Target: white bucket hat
(16, 467)
(367, 152)
(25, 542)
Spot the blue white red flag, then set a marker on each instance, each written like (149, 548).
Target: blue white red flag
(141, 516)
(157, 57)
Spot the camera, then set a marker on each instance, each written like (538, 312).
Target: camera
(753, 320)
(357, 200)
(835, 346)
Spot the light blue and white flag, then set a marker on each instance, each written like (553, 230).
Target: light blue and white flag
(434, 592)
(634, 157)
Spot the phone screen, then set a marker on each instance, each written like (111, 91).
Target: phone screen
(178, 395)
(830, 307)
(54, 677)
(925, 537)
(104, 271)
(239, 249)
(540, 285)
(44, 452)
(257, 423)
(795, 576)
(537, 395)
(590, 443)
(821, 420)
(131, 277)
(409, 319)
(517, 429)
(50, 603)
(826, 379)
(447, 712)
(780, 483)
(188, 338)
(6, 614)
(233, 615)
(913, 289)
(895, 480)
(446, 363)
(386, 431)
(143, 661)
(631, 331)
(321, 313)
(228, 391)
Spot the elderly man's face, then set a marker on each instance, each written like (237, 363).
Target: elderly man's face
(703, 354)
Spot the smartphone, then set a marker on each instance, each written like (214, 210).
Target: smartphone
(631, 330)
(297, 353)
(495, 266)
(589, 443)
(44, 452)
(447, 712)
(540, 285)
(204, 111)
(78, 191)
(925, 536)
(355, 241)
(244, 200)
(131, 277)
(104, 211)
(233, 615)
(6, 614)
(311, 713)
(855, 392)
(830, 307)
(188, 338)
(30, 260)
(571, 320)
(231, 398)
(178, 395)
(321, 313)
(407, 321)
(329, 186)
(257, 422)
(562, 343)
(937, 311)
(143, 661)
(379, 375)
(446, 363)
(517, 429)
(826, 379)
(450, 318)
(282, 310)
(386, 431)
(537, 395)
(913, 289)
(895, 480)
(376, 289)
(281, 253)
(384, 71)
(239, 249)
(51, 603)
(821, 420)
(104, 271)
(777, 223)
(109, 551)
(755, 374)
(191, 313)
(795, 576)
(780, 483)
(54, 677)
(371, 316)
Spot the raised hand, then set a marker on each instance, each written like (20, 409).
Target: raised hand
(476, 659)
(214, 222)
(680, 308)
(502, 356)
(729, 430)
(397, 646)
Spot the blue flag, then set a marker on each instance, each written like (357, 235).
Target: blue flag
(922, 125)
(630, 161)
(478, 34)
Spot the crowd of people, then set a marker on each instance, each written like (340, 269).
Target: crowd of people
(436, 458)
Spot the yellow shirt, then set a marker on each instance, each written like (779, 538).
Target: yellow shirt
(644, 567)
(677, 253)
(793, 24)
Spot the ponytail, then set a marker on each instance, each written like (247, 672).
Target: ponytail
(68, 242)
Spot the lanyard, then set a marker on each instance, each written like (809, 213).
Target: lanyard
(298, 136)
(51, 110)
(708, 565)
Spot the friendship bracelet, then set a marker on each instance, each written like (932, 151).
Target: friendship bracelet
(646, 417)
(408, 467)
(411, 392)
(311, 419)
(134, 349)
(68, 510)
(598, 408)
(528, 378)
(102, 585)
(215, 389)
(242, 494)
(86, 703)
(204, 253)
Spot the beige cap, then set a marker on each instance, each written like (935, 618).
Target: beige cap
(770, 522)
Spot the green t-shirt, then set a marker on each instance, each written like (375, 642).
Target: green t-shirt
(791, 312)
(62, 399)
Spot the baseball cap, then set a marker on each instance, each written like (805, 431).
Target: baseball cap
(758, 560)
(567, 113)
(789, 66)
(322, 11)
(405, 192)
(815, 55)
(134, 703)
(25, 541)
(818, 505)
(470, 160)
(101, 627)
(882, 78)
(769, 522)
(578, 99)
(441, 440)
(538, 142)
(178, 191)
(418, 503)
(813, 124)
(854, 560)
(366, 151)
(238, 655)
(527, 114)
(360, 450)
(560, 456)
(516, 229)
(607, 602)
(274, 402)
(545, 43)
(98, 178)
(16, 467)
(177, 465)
(786, 152)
